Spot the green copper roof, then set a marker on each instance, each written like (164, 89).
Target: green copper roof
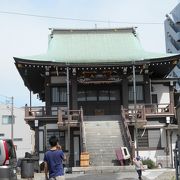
(94, 46)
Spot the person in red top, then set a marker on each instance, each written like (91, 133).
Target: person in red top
(53, 161)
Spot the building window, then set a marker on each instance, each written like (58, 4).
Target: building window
(143, 138)
(59, 94)
(81, 96)
(7, 119)
(154, 99)
(98, 95)
(139, 93)
(91, 95)
(1, 134)
(59, 134)
(149, 138)
(103, 95)
(17, 139)
(114, 95)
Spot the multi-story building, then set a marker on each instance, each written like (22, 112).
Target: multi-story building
(172, 38)
(22, 135)
(102, 91)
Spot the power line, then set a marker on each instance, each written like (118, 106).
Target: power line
(78, 19)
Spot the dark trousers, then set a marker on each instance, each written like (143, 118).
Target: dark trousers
(139, 173)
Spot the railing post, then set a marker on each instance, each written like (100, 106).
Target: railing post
(133, 151)
(83, 132)
(59, 116)
(26, 111)
(126, 129)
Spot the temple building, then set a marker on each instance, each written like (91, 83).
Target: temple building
(102, 91)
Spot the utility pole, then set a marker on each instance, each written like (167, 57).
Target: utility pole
(12, 118)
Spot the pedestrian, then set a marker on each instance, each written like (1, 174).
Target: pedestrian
(138, 166)
(53, 161)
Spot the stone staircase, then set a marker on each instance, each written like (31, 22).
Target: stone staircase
(103, 136)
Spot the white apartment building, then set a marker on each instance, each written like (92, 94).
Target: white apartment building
(22, 134)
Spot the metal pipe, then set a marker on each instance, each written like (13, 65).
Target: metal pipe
(68, 113)
(135, 109)
(67, 81)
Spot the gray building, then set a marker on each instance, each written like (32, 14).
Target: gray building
(172, 37)
(172, 30)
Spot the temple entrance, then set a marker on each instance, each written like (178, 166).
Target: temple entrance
(100, 99)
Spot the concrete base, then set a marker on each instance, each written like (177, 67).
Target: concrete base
(102, 169)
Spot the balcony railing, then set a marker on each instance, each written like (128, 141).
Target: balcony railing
(63, 116)
(143, 111)
(140, 114)
(61, 113)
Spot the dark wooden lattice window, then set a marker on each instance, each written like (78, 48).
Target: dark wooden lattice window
(149, 138)
(143, 138)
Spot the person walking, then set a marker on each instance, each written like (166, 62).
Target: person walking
(138, 166)
(53, 161)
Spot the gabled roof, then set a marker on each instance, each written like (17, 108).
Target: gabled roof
(96, 46)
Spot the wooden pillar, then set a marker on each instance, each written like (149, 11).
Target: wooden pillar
(74, 104)
(147, 89)
(125, 91)
(48, 95)
(36, 125)
(171, 97)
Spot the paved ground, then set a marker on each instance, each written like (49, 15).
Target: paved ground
(156, 174)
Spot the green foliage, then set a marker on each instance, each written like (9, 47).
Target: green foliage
(150, 164)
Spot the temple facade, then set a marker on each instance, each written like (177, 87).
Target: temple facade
(102, 91)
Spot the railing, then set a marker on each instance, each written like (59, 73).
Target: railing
(38, 111)
(68, 116)
(53, 111)
(63, 115)
(126, 128)
(143, 110)
(159, 109)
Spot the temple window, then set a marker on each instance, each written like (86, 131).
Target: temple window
(91, 95)
(59, 94)
(139, 93)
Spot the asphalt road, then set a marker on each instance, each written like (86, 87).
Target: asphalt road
(155, 174)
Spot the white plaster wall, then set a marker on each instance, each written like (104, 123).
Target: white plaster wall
(162, 93)
(158, 156)
(21, 130)
(52, 126)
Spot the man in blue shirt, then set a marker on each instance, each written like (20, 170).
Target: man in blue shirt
(53, 161)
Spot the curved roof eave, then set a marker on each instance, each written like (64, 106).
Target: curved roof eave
(45, 59)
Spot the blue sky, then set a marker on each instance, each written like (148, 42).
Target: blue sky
(26, 35)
